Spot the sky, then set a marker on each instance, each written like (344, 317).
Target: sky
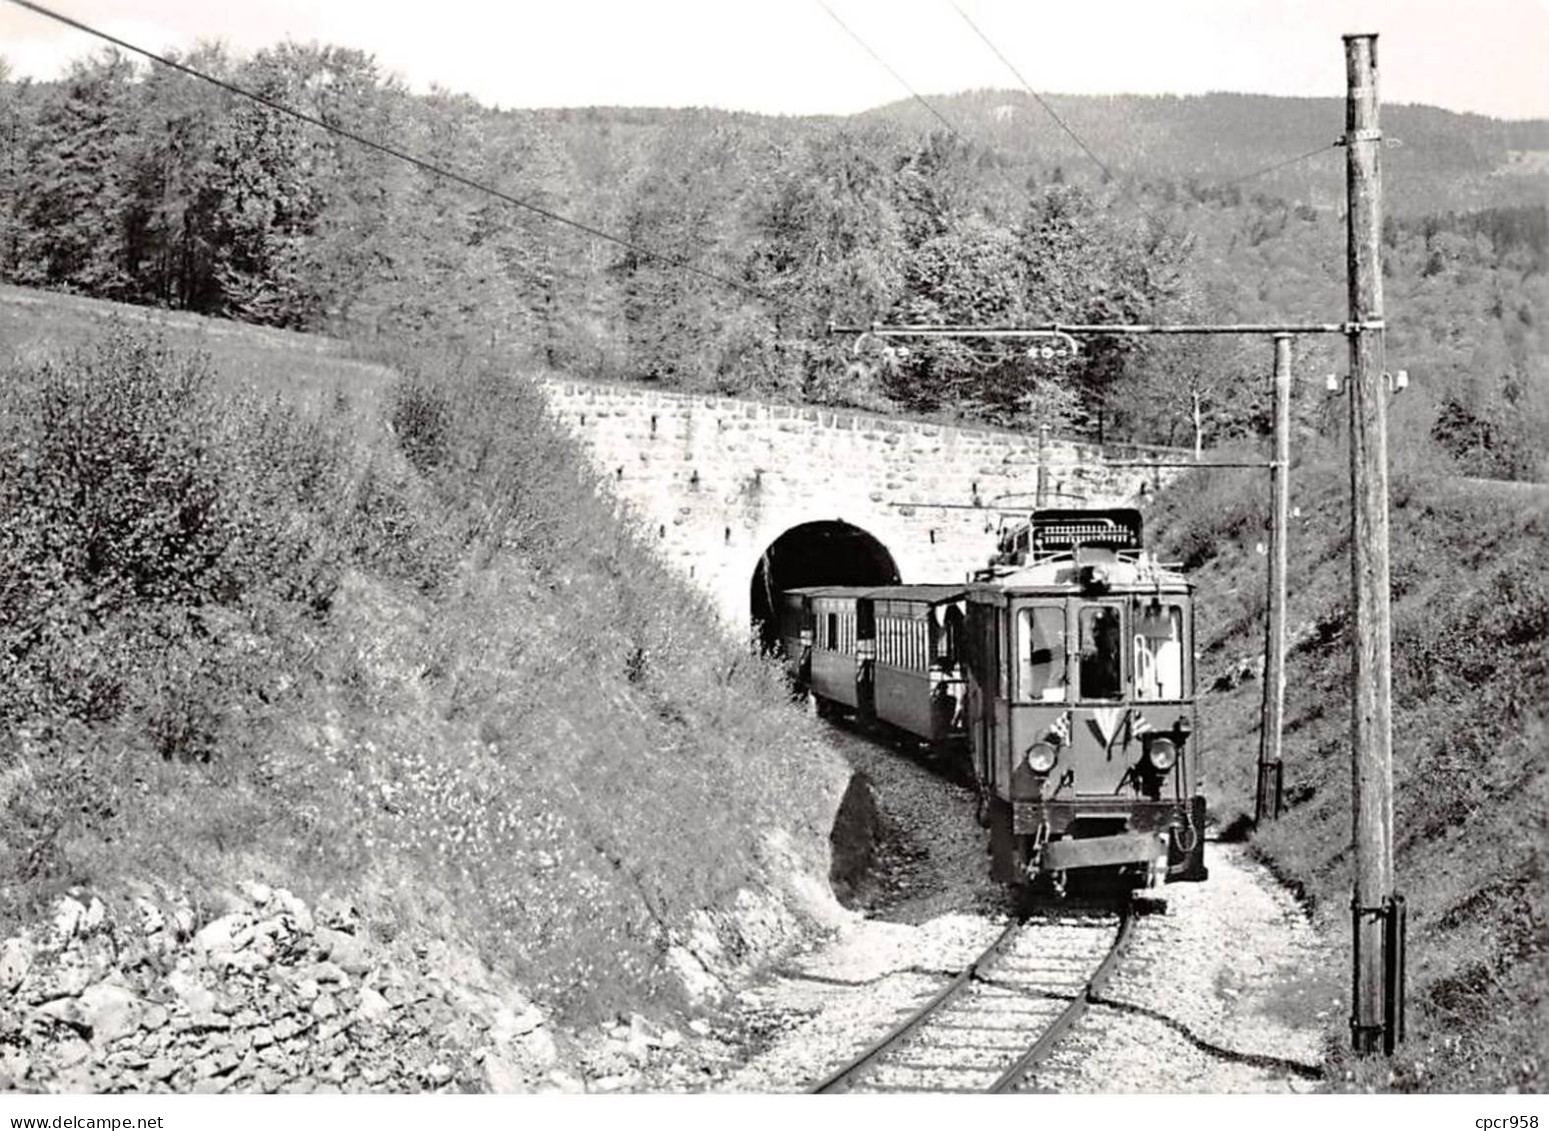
(792, 57)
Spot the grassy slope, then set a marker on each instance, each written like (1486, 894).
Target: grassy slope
(457, 690)
(1471, 759)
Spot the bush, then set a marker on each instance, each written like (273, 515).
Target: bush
(435, 665)
(421, 420)
(1209, 510)
(145, 521)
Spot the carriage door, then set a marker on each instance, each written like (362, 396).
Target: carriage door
(866, 653)
(982, 663)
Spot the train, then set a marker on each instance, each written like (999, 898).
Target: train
(1061, 674)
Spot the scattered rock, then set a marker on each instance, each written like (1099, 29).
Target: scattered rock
(560, 1081)
(509, 1024)
(501, 1076)
(258, 893)
(14, 1066)
(295, 910)
(639, 1040)
(373, 1006)
(191, 993)
(621, 1082)
(539, 1048)
(183, 919)
(64, 1011)
(327, 974)
(110, 1011)
(338, 914)
(227, 934)
(346, 951)
(96, 913)
(71, 1051)
(700, 984)
(15, 961)
(151, 918)
(68, 914)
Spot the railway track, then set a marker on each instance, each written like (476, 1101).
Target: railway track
(1000, 1016)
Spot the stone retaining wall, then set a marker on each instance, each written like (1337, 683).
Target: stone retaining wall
(716, 480)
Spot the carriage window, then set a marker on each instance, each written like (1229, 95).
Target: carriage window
(1101, 634)
(974, 644)
(1041, 653)
(831, 638)
(949, 641)
(1159, 652)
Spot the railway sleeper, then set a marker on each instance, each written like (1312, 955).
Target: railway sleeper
(891, 1076)
(994, 995)
(1021, 1005)
(1015, 1040)
(979, 1027)
(972, 1061)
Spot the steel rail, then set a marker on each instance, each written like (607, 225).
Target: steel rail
(1047, 1040)
(1072, 1013)
(896, 1035)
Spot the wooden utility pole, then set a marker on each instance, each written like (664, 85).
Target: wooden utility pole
(1271, 718)
(1377, 963)
(1042, 497)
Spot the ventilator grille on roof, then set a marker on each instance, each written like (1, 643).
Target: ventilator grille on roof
(1064, 530)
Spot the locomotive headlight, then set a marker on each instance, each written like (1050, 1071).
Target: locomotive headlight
(1163, 753)
(1040, 757)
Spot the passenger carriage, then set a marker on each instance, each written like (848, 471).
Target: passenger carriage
(838, 663)
(917, 682)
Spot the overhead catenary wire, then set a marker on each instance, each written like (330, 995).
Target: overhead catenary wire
(1074, 136)
(671, 260)
(883, 63)
(918, 97)
(1267, 169)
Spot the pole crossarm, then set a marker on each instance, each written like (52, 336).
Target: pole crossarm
(1190, 465)
(1105, 329)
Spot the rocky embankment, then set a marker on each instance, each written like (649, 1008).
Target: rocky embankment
(273, 995)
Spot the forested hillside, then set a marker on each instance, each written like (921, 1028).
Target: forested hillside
(148, 186)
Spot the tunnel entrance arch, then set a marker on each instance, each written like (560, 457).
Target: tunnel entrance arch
(814, 553)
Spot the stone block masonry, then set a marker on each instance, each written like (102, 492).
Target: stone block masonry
(717, 480)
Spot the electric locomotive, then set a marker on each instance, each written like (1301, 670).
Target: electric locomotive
(1080, 702)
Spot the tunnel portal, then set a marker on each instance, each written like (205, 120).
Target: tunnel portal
(814, 553)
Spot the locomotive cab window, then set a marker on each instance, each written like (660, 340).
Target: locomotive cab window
(1101, 652)
(1158, 655)
(1041, 653)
